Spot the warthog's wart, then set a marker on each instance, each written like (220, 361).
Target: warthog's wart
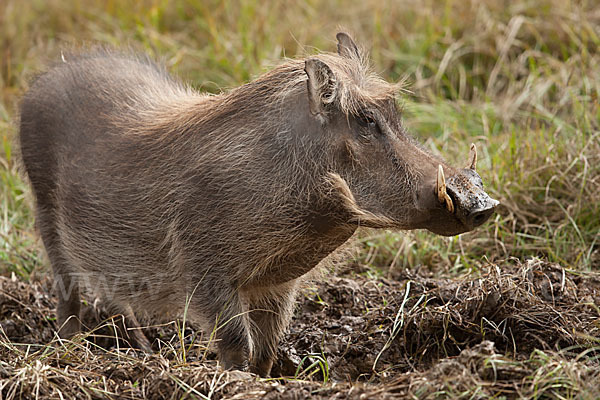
(151, 193)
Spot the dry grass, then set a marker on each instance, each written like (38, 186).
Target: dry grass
(520, 330)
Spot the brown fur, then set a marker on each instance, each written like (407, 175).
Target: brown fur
(150, 194)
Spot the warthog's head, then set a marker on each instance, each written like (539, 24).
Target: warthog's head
(384, 179)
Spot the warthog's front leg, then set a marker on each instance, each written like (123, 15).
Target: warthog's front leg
(219, 304)
(270, 312)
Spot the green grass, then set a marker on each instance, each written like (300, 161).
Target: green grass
(519, 80)
(19, 250)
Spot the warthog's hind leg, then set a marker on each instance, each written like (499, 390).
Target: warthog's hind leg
(66, 285)
(134, 331)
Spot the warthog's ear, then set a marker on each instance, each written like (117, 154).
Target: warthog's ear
(346, 46)
(321, 84)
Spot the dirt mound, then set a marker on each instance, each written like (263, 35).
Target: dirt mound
(523, 307)
(512, 330)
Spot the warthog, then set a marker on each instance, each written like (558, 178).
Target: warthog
(162, 199)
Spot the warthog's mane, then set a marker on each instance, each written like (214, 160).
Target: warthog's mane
(357, 87)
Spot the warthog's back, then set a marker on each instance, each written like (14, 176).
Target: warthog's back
(78, 103)
(100, 186)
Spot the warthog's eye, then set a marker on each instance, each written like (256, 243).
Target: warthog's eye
(367, 121)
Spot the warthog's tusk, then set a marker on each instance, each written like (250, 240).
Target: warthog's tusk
(473, 157)
(441, 184)
(449, 204)
(443, 196)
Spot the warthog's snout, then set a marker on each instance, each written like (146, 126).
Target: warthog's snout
(462, 194)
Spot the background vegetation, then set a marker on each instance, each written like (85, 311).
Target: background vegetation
(520, 79)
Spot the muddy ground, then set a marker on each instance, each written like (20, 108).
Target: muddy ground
(518, 329)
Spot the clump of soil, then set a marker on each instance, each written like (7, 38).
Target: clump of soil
(519, 308)
(351, 337)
